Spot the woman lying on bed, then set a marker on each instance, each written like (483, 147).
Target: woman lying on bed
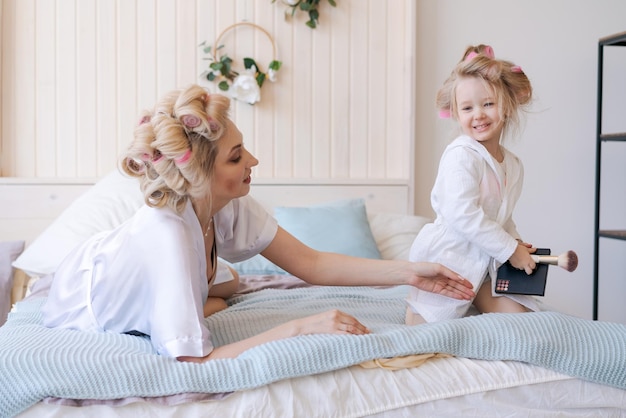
(156, 273)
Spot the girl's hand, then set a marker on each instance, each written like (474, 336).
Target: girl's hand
(329, 322)
(436, 278)
(521, 258)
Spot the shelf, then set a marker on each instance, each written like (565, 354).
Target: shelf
(619, 39)
(613, 137)
(613, 233)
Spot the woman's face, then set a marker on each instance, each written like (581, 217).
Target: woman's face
(233, 167)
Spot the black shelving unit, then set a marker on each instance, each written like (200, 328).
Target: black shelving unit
(618, 39)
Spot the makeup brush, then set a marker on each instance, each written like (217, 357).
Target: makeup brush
(568, 260)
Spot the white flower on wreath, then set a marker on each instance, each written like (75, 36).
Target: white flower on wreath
(245, 87)
(271, 75)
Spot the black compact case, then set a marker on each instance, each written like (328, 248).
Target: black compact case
(516, 282)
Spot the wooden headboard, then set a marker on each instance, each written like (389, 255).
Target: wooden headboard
(30, 205)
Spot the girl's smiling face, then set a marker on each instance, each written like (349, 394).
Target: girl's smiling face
(477, 112)
(233, 167)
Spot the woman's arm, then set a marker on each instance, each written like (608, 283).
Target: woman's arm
(330, 269)
(330, 322)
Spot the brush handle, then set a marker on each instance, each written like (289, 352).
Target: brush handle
(546, 259)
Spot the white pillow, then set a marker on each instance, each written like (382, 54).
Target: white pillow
(111, 201)
(394, 233)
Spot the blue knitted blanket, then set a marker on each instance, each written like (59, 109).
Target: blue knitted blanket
(36, 362)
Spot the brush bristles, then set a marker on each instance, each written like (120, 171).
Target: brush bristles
(568, 261)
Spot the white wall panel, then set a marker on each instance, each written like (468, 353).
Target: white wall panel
(86, 89)
(76, 73)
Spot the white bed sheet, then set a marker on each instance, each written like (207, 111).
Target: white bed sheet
(442, 387)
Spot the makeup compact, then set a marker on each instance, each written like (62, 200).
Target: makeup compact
(513, 281)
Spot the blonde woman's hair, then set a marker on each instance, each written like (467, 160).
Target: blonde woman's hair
(507, 81)
(174, 146)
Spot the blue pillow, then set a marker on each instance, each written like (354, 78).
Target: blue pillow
(340, 227)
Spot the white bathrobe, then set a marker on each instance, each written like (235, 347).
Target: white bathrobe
(473, 233)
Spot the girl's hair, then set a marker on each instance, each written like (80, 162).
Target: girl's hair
(174, 147)
(506, 80)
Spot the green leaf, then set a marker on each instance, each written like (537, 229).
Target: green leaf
(249, 62)
(226, 67)
(210, 76)
(217, 66)
(332, 3)
(223, 86)
(275, 65)
(314, 15)
(260, 78)
(311, 24)
(305, 6)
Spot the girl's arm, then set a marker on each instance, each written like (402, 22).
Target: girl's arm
(330, 269)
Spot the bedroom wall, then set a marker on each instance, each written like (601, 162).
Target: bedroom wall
(556, 43)
(75, 74)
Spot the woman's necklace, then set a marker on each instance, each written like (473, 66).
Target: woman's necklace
(208, 228)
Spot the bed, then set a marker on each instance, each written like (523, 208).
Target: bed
(541, 364)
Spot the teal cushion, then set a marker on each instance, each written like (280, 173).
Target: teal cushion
(340, 227)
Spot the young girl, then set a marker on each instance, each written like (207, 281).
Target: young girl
(478, 183)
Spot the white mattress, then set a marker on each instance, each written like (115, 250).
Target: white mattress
(441, 387)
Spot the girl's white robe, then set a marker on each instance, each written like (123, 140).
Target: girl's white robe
(473, 232)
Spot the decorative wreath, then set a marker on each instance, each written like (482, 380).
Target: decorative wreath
(245, 85)
(308, 6)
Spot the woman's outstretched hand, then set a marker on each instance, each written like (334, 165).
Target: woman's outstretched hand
(329, 322)
(436, 278)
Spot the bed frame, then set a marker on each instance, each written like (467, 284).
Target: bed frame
(29, 205)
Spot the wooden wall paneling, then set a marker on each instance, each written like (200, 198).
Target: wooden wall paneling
(6, 39)
(205, 27)
(23, 94)
(7, 81)
(86, 90)
(127, 67)
(377, 74)
(66, 94)
(147, 42)
(396, 124)
(264, 122)
(339, 68)
(302, 73)
(167, 78)
(321, 98)
(340, 108)
(186, 43)
(106, 104)
(44, 97)
(358, 70)
(408, 102)
(284, 101)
